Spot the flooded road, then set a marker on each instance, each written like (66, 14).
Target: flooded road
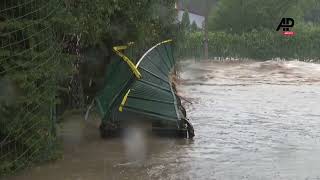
(253, 120)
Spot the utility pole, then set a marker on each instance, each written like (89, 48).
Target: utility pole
(206, 33)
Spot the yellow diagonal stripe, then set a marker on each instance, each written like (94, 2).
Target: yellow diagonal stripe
(124, 100)
(132, 66)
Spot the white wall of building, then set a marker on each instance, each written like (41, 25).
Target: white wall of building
(193, 18)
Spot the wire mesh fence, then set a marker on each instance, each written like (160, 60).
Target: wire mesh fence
(29, 62)
(194, 52)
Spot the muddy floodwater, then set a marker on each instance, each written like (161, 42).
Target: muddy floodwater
(253, 120)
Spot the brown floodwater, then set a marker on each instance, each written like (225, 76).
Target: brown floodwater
(253, 120)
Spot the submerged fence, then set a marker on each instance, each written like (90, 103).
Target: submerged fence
(29, 64)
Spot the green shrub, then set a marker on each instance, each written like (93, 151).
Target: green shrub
(261, 45)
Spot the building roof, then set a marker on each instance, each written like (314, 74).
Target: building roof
(198, 7)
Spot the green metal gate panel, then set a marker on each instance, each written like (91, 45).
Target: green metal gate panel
(144, 88)
(152, 95)
(117, 81)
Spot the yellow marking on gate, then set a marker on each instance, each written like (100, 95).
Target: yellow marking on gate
(124, 100)
(134, 69)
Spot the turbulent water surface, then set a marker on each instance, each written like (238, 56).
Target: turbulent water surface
(253, 120)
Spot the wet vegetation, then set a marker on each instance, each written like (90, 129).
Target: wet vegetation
(247, 29)
(259, 45)
(31, 65)
(51, 50)
(44, 60)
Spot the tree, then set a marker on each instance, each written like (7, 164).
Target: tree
(113, 22)
(185, 21)
(238, 16)
(31, 66)
(40, 41)
(194, 27)
(313, 12)
(103, 24)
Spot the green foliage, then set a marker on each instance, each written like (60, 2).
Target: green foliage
(246, 29)
(190, 46)
(103, 24)
(313, 13)
(260, 45)
(194, 27)
(185, 22)
(30, 68)
(37, 49)
(238, 16)
(109, 23)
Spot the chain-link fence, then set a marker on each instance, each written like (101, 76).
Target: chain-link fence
(29, 64)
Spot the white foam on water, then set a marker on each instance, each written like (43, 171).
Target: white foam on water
(251, 72)
(135, 144)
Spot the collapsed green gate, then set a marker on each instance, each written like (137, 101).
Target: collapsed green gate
(142, 91)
